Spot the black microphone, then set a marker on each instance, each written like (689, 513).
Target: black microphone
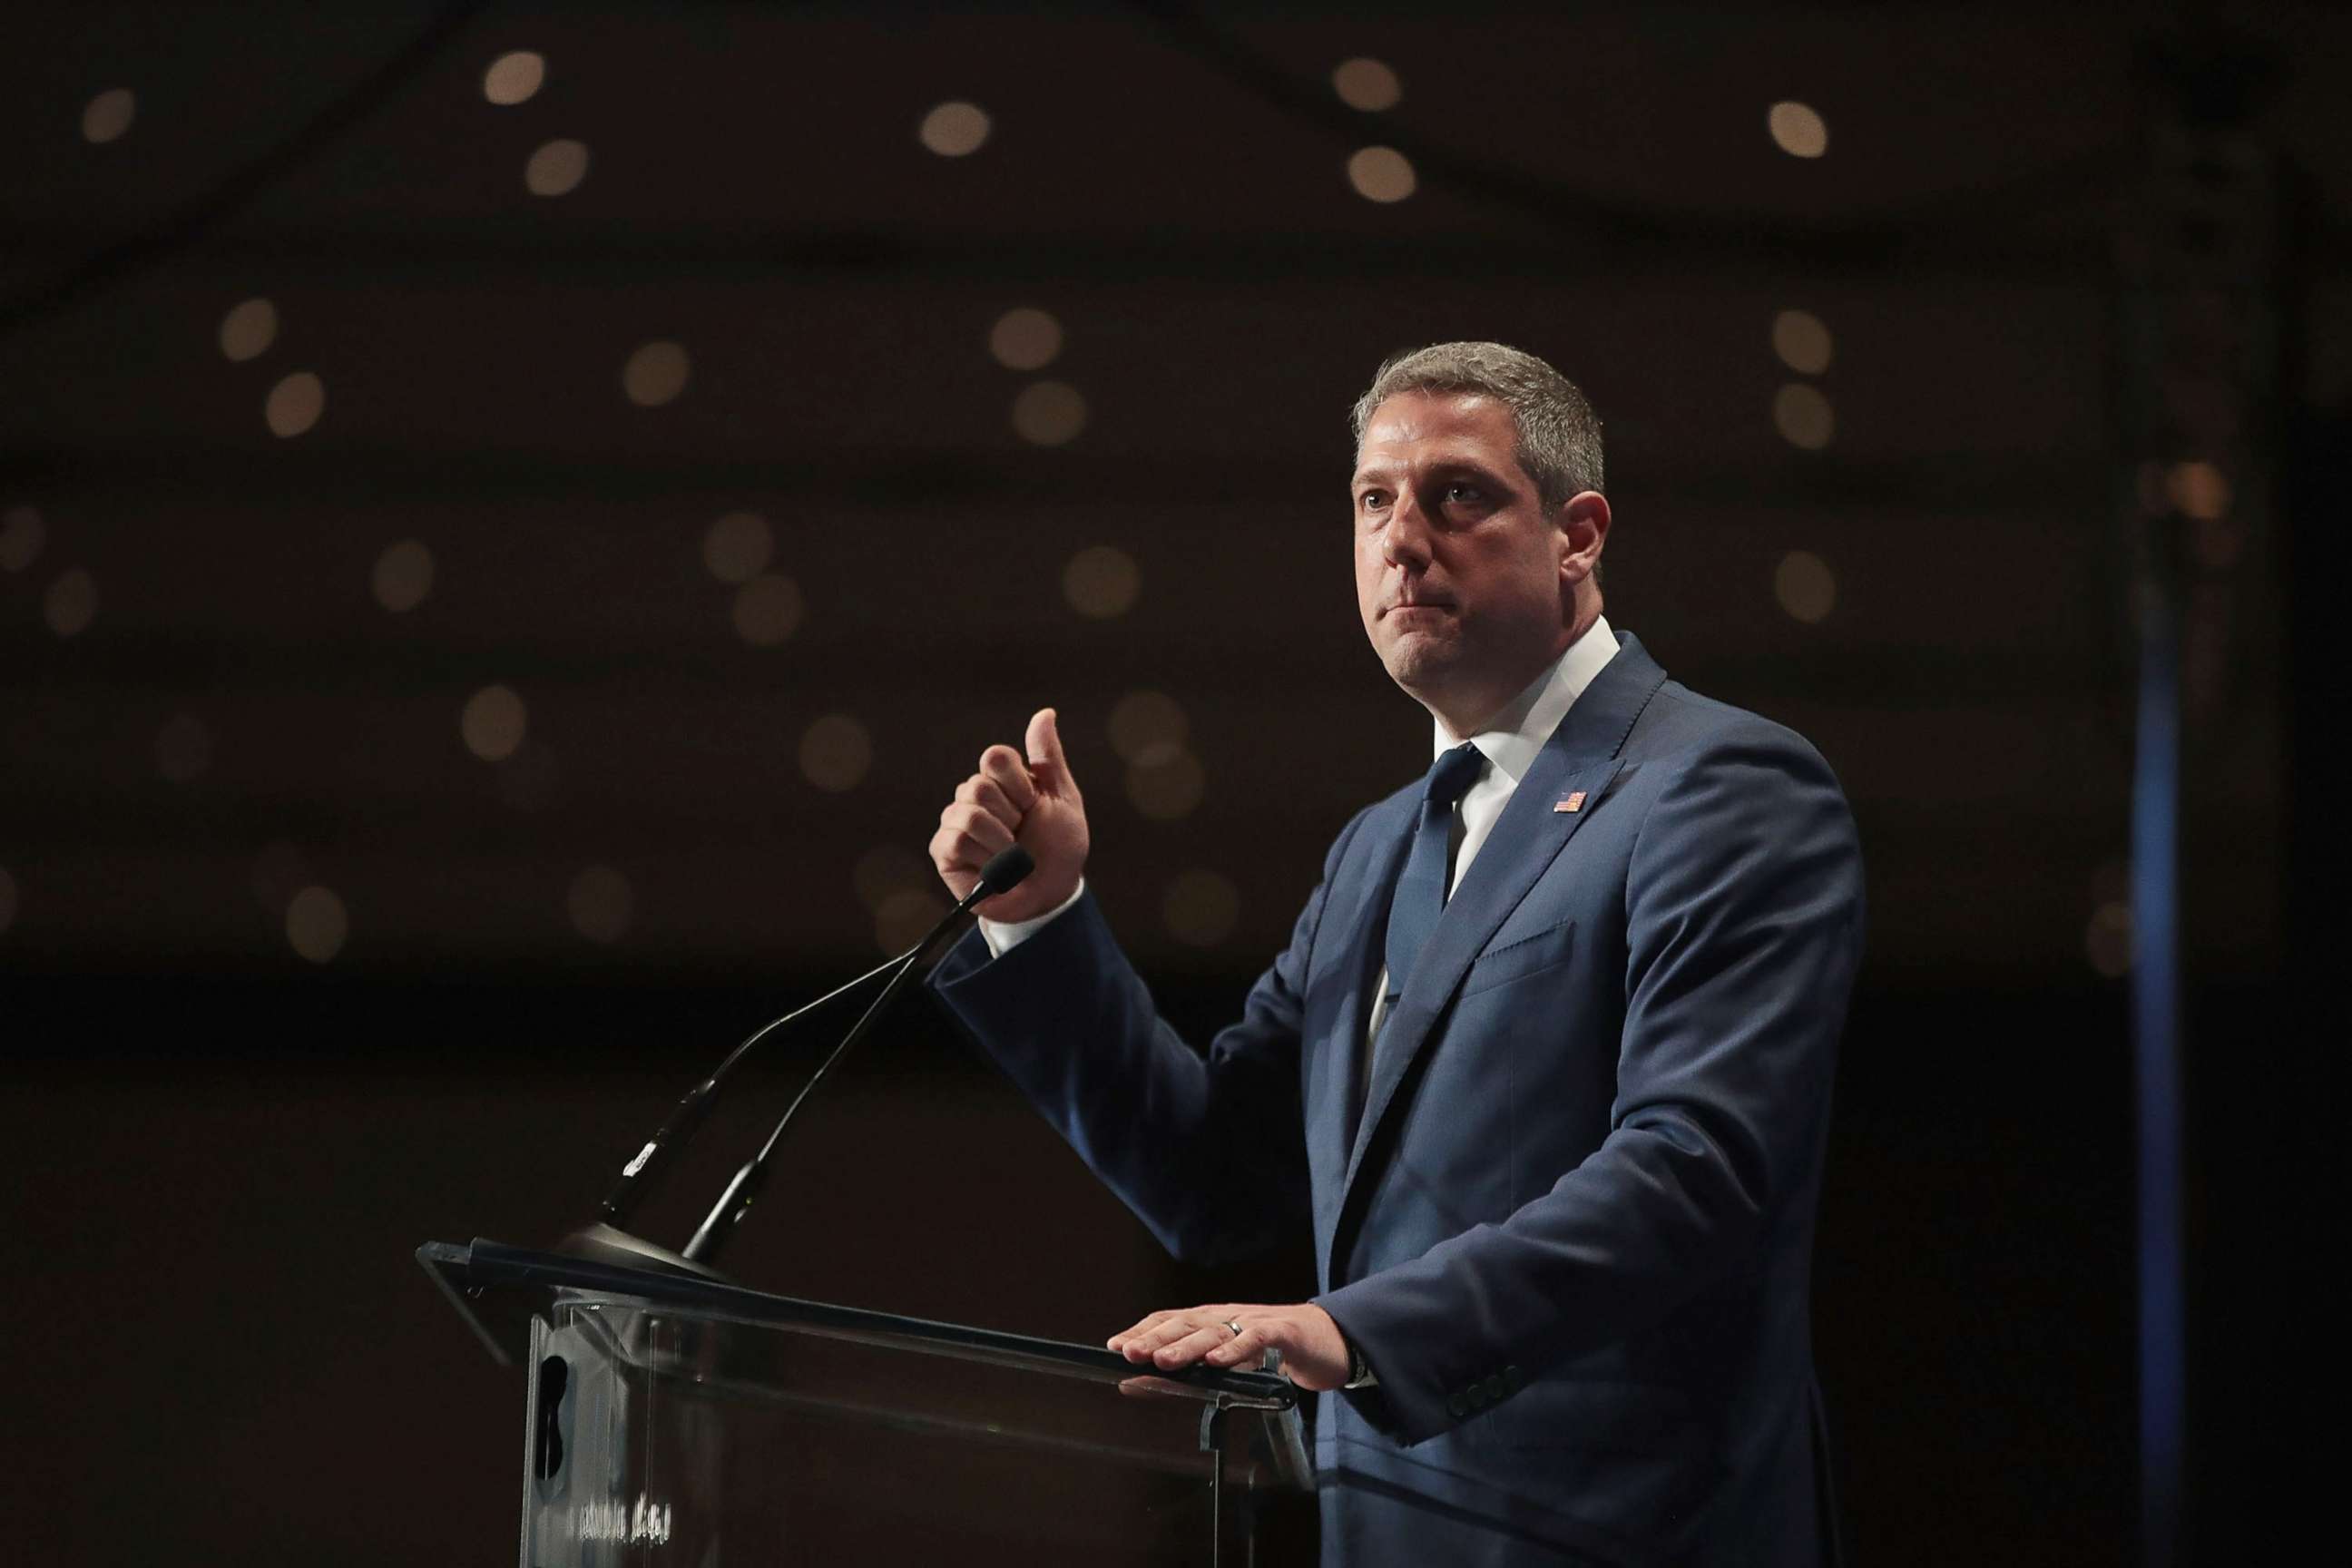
(1005, 871)
(608, 1237)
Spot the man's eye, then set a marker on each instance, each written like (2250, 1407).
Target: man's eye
(1462, 492)
(1373, 501)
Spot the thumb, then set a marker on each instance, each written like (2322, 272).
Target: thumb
(1046, 746)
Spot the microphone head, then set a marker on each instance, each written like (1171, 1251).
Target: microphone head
(1007, 870)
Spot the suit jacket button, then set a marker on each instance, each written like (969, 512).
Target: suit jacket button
(1496, 1388)
(1513, 1379)
(1458, 1405)
(1478, 1397)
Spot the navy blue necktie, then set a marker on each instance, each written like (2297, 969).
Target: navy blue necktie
(1419, 895)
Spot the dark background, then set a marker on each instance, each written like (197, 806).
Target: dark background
(236, 1107)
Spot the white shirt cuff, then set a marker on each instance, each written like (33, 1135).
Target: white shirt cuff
(1004, 936)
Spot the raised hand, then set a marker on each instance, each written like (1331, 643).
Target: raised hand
(1031, 801)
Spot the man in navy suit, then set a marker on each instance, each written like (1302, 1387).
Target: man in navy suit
(1546, 1064)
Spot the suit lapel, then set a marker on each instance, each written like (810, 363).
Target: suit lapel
(1583, 754)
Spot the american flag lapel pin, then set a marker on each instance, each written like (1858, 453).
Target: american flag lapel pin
(1573, 801)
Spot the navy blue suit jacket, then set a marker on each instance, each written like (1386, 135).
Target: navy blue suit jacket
(1572, 1227)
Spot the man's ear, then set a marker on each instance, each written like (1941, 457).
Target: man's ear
(1583, 532)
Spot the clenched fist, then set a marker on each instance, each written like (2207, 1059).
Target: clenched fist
(1034, 803)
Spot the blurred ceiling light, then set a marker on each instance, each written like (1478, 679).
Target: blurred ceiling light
(836, 752)
(1201, 908)
(888, 869)
(601, 903)
(557, 168)
(1805, 587)
(1797, 129)
(295, 403)
(1802, 341)
(2198, 489)
(1049, 413)
(106, 116)
(514, 76)
(402, 576)
(2108, 942)
(278, 873)
(655, 374)
(248, 330)
(954, 130)
(1367, 84)
(1025, 339)
(184, 747)
(22, 534)
(737, 547)
(1146, 727)
(1168, 788)
(492, 723)
(905, 916)
(8, 899)
(71, 602)
(317, 925)
(1803, 416)
(1380, 174)
(1101, 581)
(767, 610)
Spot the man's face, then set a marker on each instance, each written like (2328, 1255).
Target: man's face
(1458, 568)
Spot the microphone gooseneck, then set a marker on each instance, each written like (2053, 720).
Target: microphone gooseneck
(1003, 872)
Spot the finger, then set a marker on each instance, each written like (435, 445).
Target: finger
(1003, 767)
(1144, 1325)
(976, 832)
(1248, 1348)
(1184, 1352)
(982, 792)
(1046, 746)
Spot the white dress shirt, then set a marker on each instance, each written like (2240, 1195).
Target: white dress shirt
(1509, 742)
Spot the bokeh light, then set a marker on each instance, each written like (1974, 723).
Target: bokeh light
(1167, 788)
(184, 747)
(1101, 581)
(905, 916)
(1367, 84)
(513, 77)
(248, 330)
(1025, 338)
(655, 374)
(954, 130)
(1802, 341)
(295, 403)
(1805, 586)
(402, 576)
(2107, 941)
(71, 602)
(1381, 175)
(22, 534)
(317, 925)
(1049, 413)
(1797, 129)
(108, 116)
(493, 722)
(1201, 908)
(2198, 489)
(737, 546)
(1146, 727)
(836, 752)
(1803, 415)
(601, 903)
(557, 168)
(767, 610)
(888, 870)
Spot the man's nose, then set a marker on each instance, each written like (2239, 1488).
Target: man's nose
(1405, 541)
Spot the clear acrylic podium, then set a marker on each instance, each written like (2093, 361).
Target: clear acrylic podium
(676, 1419)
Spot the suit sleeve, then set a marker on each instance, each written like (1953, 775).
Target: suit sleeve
(1744, 926)
(1207, 1149)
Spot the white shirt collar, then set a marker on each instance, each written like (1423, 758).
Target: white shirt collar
(1511, 739)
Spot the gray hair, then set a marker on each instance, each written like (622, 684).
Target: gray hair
(1559, 436)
